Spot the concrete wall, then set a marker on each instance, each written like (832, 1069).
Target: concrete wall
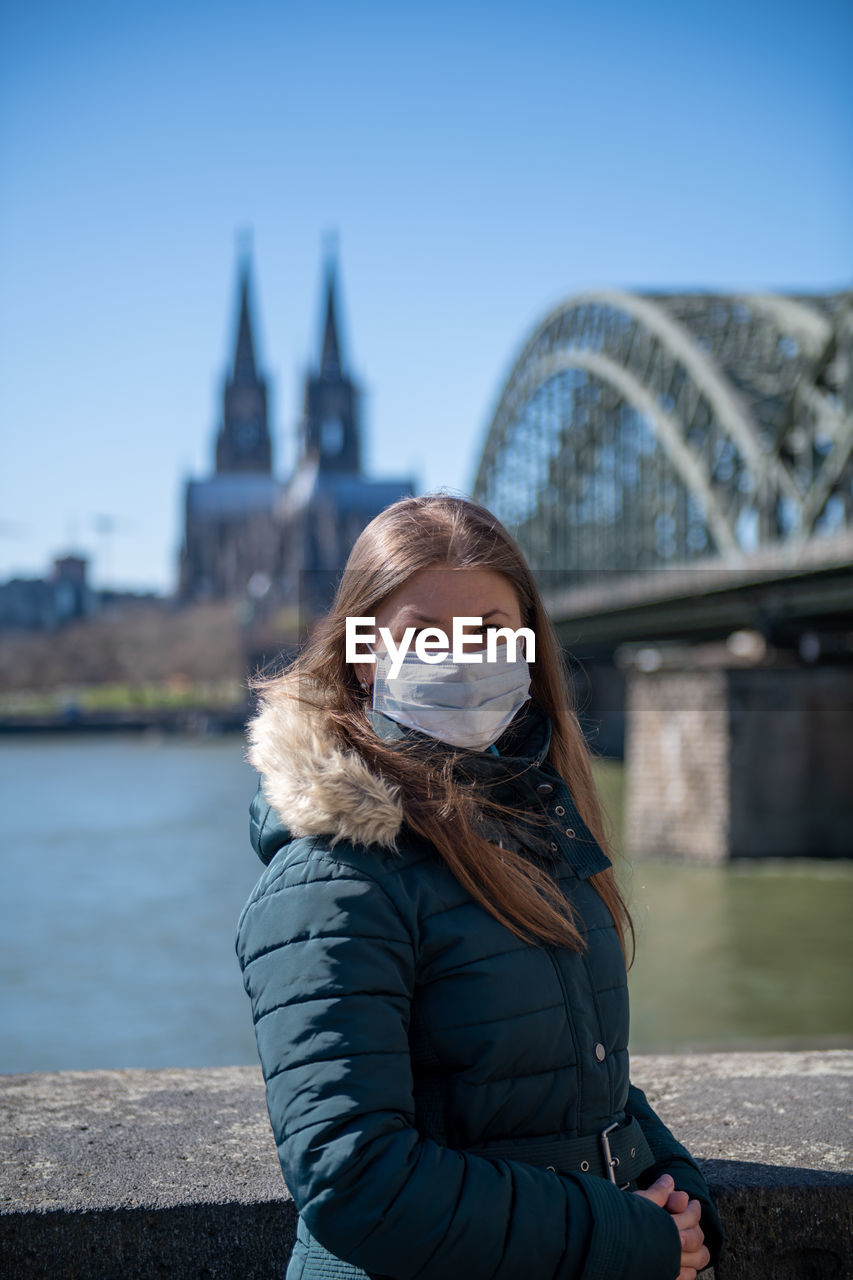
(739, 762)
(138, 1174)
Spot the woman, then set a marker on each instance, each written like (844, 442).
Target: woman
(436, 953)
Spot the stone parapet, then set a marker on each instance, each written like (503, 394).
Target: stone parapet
(137, 1174)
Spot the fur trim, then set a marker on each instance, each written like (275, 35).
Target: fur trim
(314, 786)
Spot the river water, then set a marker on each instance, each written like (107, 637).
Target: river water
(125, 862)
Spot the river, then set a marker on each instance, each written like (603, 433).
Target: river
(125, 862)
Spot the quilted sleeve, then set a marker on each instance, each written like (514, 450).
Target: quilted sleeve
(672, 1158)
(329, 964)
(266, 831)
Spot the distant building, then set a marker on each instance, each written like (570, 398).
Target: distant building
(43, 604)
(248, 534)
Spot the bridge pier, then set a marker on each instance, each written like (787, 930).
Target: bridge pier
(739, 762)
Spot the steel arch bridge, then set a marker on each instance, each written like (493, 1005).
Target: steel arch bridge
(641, 430)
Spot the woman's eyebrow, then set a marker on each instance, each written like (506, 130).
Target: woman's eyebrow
(422, 617)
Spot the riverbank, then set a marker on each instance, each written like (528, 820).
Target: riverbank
(192, 720)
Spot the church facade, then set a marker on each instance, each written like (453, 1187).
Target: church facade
(250, 535)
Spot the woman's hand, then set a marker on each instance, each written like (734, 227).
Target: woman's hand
(686, 1212)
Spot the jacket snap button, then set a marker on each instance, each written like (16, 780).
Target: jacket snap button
(585, 1166)
(600, 1052)
(553, 847)
(544, 788)
(551, 1169)
(559, 810)
(570, 832)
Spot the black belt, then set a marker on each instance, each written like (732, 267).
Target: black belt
(619, 1152)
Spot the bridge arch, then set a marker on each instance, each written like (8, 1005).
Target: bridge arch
(722, 384)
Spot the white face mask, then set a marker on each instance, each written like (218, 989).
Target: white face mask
(465, 704)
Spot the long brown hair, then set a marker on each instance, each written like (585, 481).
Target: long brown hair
(431, 531)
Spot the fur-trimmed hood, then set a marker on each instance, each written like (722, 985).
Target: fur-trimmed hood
(311, 786)
(314, 786)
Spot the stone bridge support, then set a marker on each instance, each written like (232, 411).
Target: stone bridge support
(739, 762)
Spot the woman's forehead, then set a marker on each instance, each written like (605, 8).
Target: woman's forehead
(433, 595)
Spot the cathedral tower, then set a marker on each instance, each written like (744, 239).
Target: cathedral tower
(231, 535)
(331, 422)
(243, 443)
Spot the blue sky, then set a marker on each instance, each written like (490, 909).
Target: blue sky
(479, 163)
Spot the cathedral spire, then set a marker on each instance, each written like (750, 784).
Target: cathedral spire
(243, 442)
(330, 357)
(331, 423)
(245, 368)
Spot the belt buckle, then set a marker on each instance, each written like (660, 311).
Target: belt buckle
(611, 1162)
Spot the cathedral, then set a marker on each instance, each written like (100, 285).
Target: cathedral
(249, 535)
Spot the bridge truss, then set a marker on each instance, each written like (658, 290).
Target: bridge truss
(640, 430)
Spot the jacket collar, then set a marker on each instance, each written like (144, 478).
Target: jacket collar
(523, 744)
(314, 787)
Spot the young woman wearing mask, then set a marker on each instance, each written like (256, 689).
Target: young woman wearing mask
(436, 953)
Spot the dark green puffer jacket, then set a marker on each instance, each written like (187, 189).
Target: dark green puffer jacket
(424, 1067)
